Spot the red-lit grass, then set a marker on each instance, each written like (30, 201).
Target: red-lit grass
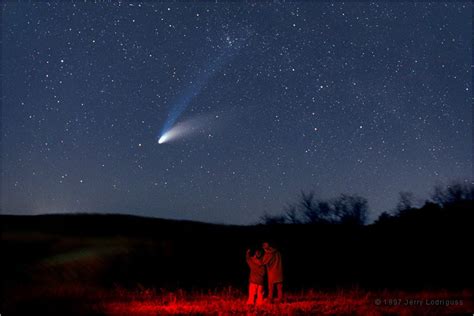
(229, 301)
(67, 298)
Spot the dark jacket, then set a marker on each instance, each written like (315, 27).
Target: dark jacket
(272, 259)
(257, 270)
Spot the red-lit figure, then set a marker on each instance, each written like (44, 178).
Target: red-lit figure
(256, 278)
(273, 263)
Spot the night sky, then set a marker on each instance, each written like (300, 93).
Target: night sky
(270, 99)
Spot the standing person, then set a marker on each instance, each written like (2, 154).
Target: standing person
(257, 276)
(273, 263)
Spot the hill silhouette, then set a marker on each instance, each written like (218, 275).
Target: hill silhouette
(418, 248)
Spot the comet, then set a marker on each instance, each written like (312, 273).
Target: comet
(184, 129)
(171, 130)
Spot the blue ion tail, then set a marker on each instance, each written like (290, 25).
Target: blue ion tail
(195, 89)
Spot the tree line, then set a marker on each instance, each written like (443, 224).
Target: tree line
(352, 209)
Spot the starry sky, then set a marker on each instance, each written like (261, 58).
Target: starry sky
(359, 98)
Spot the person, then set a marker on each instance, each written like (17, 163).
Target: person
(257, 276)
(274, 266)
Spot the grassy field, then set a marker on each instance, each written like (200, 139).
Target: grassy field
(232, 302)
(83, 300)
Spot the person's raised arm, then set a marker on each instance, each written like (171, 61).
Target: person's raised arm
(247, 256)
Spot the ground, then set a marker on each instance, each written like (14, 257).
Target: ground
(64, 299)
(232, 302)
(147, 301)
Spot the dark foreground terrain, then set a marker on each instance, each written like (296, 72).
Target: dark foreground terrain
(123, 265)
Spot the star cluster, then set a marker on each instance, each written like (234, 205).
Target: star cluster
(365, 98)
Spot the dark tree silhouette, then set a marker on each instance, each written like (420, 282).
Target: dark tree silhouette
(449, 205)
(315, 211)
(292, 215)
(405, 201)
(307, 206)
(351, 209)
(384, 218)
(344, 209)
(454, 192)
(268, 219)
